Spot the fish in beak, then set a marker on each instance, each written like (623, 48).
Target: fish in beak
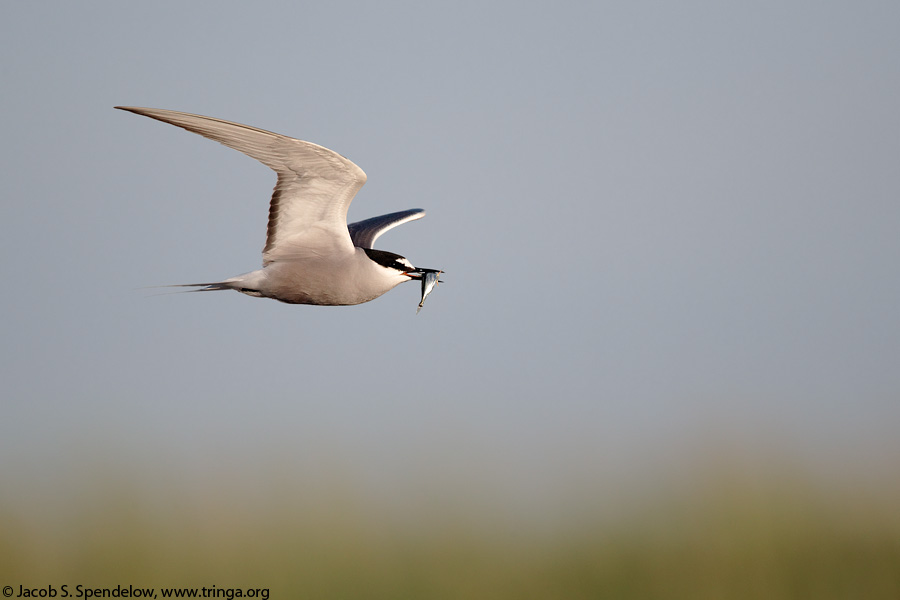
(430, 279)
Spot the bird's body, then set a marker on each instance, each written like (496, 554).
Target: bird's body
(330, 280)
(311, 255)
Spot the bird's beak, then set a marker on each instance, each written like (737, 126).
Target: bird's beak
(418, 273)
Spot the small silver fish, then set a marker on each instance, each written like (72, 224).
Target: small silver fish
(429, 282)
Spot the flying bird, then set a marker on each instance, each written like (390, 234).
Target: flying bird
(311, 256)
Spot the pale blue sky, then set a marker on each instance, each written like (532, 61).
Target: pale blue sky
(663, 225)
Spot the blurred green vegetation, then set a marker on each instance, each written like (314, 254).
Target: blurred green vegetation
(727, 534)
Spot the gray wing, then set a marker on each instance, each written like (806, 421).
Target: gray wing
(364, 233)
(308, 210)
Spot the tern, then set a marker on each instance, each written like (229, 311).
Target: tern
(311, 256)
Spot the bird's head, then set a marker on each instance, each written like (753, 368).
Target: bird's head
(397, 263)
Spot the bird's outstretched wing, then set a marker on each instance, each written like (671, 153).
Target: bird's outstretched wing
(308, 210)
(364, 233)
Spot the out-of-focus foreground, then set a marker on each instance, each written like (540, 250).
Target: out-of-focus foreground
(729, 532)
